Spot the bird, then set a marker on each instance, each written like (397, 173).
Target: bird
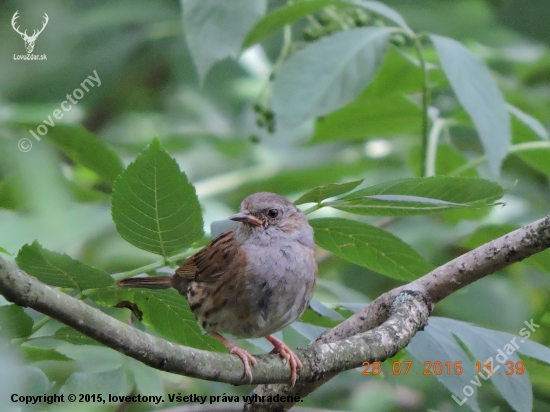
(252, 280)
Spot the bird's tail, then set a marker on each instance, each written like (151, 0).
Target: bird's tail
(151, 282)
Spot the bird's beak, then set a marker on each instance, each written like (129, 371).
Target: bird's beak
(246, 217)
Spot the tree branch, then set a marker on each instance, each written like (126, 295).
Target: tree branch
(395, 317)
(379, 344)
(436, 285)
(453, 276)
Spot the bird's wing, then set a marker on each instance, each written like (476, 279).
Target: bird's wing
(212, 261)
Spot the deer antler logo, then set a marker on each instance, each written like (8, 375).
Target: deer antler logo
(29, 40)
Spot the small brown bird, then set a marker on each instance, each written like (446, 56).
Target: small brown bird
(252, 280)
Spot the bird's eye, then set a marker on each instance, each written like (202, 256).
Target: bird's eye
(272, 213)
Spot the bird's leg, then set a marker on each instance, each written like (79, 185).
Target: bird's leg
(246, 357)
(283, 350)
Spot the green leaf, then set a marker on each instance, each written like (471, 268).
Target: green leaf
(5, 252)
(293, 180)
(313, 318)
(215, 29)
(87, 149)
(529, 347)
(154, 206)
(10, 193)
(370, 247)
(529, 121)
(537, 157)
(323, 310)
(437, 344)
(33, 354)
(336, 291)
(368, 117)
(282, 16)
(14, 322)
(320, 315)
(34, 381)
(14, 377)
(447, 161)
(485, 344)
(147, 379)
(541, 261)
(415, 196)
(75, 337)
(385, 11)
(166, 311)
(328, 74)
(486, 234)
(319, 193)
(111, 382)
(382, 109)
(59, 269)
(478, 94)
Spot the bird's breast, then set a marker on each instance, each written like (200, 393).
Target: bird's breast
(271, 292)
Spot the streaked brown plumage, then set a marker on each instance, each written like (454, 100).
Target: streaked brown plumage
(250, 281)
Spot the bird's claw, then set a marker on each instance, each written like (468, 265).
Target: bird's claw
(246, 358)
(243, 354)
(293, 360)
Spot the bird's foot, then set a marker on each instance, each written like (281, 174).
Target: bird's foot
(246, 357)
(289, 356)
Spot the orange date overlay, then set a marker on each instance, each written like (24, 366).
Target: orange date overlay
(437, 368)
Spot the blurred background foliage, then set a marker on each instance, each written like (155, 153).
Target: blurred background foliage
(222, 135)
